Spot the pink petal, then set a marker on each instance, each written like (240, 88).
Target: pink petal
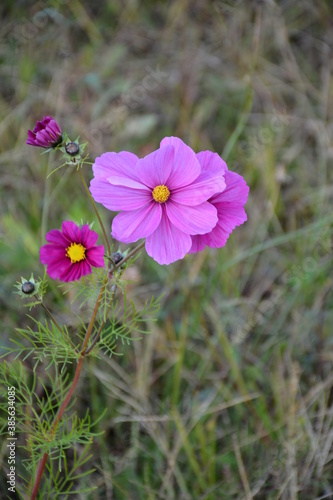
(186, 167)
(71, 231)
(95, 256)
(205, 186)
(211, 162)
(197, 244)
(130, 158)
(236, 191)
(118, 197)
(167, 244)
(131, 226)
(229, 218)
(126, 182)
(192, 220)
(155, 168)
(120, 165)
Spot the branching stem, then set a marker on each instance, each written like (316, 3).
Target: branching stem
(83, 352)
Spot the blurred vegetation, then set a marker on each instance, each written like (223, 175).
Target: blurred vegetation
(231, 394)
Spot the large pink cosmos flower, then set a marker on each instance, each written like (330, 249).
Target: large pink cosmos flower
(162, 197)
(46, 134)
(229, 203)
(71, 252)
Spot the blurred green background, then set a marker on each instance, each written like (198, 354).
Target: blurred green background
(230, 397)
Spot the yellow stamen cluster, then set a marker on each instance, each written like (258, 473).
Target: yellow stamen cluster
(161, 193)
(76, 252)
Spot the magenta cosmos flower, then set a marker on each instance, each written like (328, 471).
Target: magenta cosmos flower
(46, 134)
(71, 252)
(229, 203)
(162, 197)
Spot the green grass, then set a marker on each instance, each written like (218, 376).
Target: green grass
(230, 397)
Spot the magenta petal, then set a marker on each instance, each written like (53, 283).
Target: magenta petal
(186, 167)
(95, 256)
(154, 169)
(55, 236)
(49, 254)
(236, 190)
(71, 231)
(131, 226)
(211, 162)
(205, 186)
(117, 198)
(88, 237)
(167, 244)
(56, 269)
(192, 220)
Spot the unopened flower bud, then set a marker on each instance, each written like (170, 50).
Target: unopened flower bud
(28, 287)
(72, 148)
(116, 257)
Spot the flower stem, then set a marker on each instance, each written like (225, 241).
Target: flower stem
(65, 402)
(83, 352)
(96, 212)
(128, 256)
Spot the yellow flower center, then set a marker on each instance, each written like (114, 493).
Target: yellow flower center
(76, 252)
(161, 193)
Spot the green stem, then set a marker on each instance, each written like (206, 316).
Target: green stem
(128, 256)
(96, 212)
(83, 352)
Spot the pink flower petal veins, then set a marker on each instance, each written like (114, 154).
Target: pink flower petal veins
(154, 169)
(230, 211)
(185, 167)
(236, 190)
(167, 244)
(203, 188)
(211, 162)
(136, 224)
(117, 198)
(117, 164)
(192, 220)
